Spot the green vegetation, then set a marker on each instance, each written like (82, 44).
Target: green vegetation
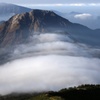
(86, 92)
(42, 96)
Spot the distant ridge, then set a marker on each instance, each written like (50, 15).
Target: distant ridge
(6, 8)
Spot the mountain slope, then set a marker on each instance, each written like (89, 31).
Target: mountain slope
(11, 8)
(8, 10)
(20, 27)
(2, 22)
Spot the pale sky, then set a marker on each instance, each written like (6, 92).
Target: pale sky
(59, 5)
(48, 1)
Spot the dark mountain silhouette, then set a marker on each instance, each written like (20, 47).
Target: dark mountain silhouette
(20, 27)
(97, 30)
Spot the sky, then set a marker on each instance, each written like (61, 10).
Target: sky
(49, 1)
(89, 9)
(53, 3)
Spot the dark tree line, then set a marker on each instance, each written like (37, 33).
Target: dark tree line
(82, 92)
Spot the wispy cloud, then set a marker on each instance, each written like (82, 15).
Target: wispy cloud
(83, 16)
(54, 61)
(60, 4)
(94, 4)
(76, 4)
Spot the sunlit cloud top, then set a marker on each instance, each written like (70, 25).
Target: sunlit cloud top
(83, 16)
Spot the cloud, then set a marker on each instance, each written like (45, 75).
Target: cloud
(94, 4)
(59, 5)
(50, 72)
(83, 16)
(62, 4)
(76, 4)
(49, 62)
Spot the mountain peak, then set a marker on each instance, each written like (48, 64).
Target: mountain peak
(42, 18)
(19, 28)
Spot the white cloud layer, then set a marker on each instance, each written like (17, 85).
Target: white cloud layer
(61, 4)
(49, 62)
(50, 72)
(83, 16)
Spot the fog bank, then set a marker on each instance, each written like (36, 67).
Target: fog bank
(49, 62)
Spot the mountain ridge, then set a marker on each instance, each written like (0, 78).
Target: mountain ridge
(34, 21)
(12, 8)
(8, 10)
(21, 26)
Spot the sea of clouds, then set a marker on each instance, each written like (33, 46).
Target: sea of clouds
(49, 62)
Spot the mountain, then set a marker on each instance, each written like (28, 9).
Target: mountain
(11, 8)
(74, 13)
(59, 13)
(65, 14)
(8, 10)
(20, 27)
(98, 30)
(2, 22)
(88, 19)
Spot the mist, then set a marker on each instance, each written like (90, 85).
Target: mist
(50, 61)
